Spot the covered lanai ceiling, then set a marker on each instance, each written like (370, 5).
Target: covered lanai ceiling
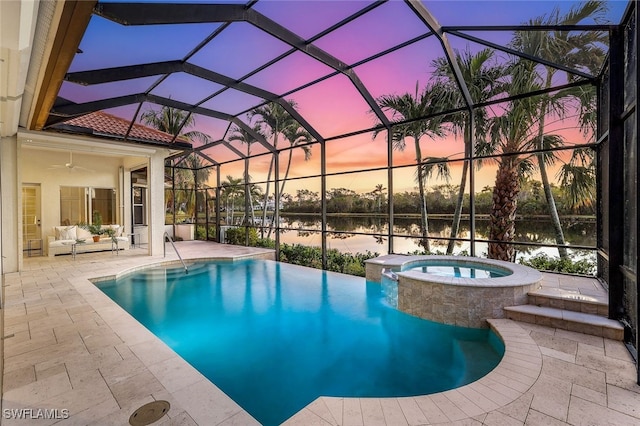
(331, 59)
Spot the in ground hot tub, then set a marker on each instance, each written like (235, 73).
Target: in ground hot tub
(457, 290)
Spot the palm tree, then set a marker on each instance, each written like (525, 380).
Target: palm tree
(190, 176)
(482, 76)
(578, 179)
(231, 187)
(254, 195)
(437, 165)
(246, 137)
(511, 134)
(572, 49)
(408, 112)
(297, 136)
(174, 121)
(276, 119)
(378, 193)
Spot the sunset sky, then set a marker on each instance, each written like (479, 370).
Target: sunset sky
(333, 106)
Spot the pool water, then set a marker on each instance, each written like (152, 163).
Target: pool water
(274, 336)
(460, 271)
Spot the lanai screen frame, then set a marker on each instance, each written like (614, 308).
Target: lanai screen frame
(609, 241)
(618, 201)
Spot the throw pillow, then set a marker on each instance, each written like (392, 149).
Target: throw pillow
(82, 234)
(68, 233)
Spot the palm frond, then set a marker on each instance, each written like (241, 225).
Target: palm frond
(579, 183)
(526, 168)
(439, 165)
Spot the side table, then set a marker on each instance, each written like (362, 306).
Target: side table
(132, 239)
(73, 248)
(31, 249)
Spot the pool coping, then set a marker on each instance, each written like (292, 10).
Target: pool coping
(518, 370)
(515, 374)
(521, 275)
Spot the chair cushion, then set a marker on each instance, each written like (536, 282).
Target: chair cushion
(60, 243)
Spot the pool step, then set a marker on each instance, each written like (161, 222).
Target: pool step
(564, 319)
(570, 300)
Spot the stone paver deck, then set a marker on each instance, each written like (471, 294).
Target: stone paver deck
(68, 346)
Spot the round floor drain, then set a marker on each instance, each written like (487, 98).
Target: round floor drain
(149, 413)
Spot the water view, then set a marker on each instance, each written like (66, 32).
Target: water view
(348, 234)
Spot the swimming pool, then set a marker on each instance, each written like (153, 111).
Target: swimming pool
(274, 336)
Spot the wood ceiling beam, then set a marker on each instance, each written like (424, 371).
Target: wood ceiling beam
(71, 27)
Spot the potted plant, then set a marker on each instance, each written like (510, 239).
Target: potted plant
(111, 233)
(96, 226)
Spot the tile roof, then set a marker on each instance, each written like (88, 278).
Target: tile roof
(101, 123)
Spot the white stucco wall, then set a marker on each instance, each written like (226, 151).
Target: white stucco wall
(156, 204)
(10, 204)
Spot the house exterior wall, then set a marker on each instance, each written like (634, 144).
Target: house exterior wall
(156, 204)
(10, 202)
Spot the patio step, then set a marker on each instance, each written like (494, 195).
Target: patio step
(570, 300)
(580, 322)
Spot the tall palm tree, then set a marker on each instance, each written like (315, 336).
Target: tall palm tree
(435, 165)
(378, 191)
(408, 112)
(231, 188)
(174, 122)
(511, 135)
(254, 194)
(246, 137)
(276, 119)
(297, 136)
(482, 76)
(572, 49)
(191, 174)
(170, 120)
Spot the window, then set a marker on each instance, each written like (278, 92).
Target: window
(78, 203)
(139, 195)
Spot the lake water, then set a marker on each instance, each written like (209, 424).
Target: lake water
(533, 230)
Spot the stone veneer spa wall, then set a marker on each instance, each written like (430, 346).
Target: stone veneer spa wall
(465, 302)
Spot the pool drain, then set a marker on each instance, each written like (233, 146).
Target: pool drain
(149, 413)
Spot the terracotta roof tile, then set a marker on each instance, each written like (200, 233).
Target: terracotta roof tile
(102, 123)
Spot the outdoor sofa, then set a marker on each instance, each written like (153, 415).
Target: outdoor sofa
(61, 242)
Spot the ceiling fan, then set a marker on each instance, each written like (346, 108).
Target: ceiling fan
(71, 166)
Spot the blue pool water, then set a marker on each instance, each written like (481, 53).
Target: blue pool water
(275, 336)
(459, 270)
